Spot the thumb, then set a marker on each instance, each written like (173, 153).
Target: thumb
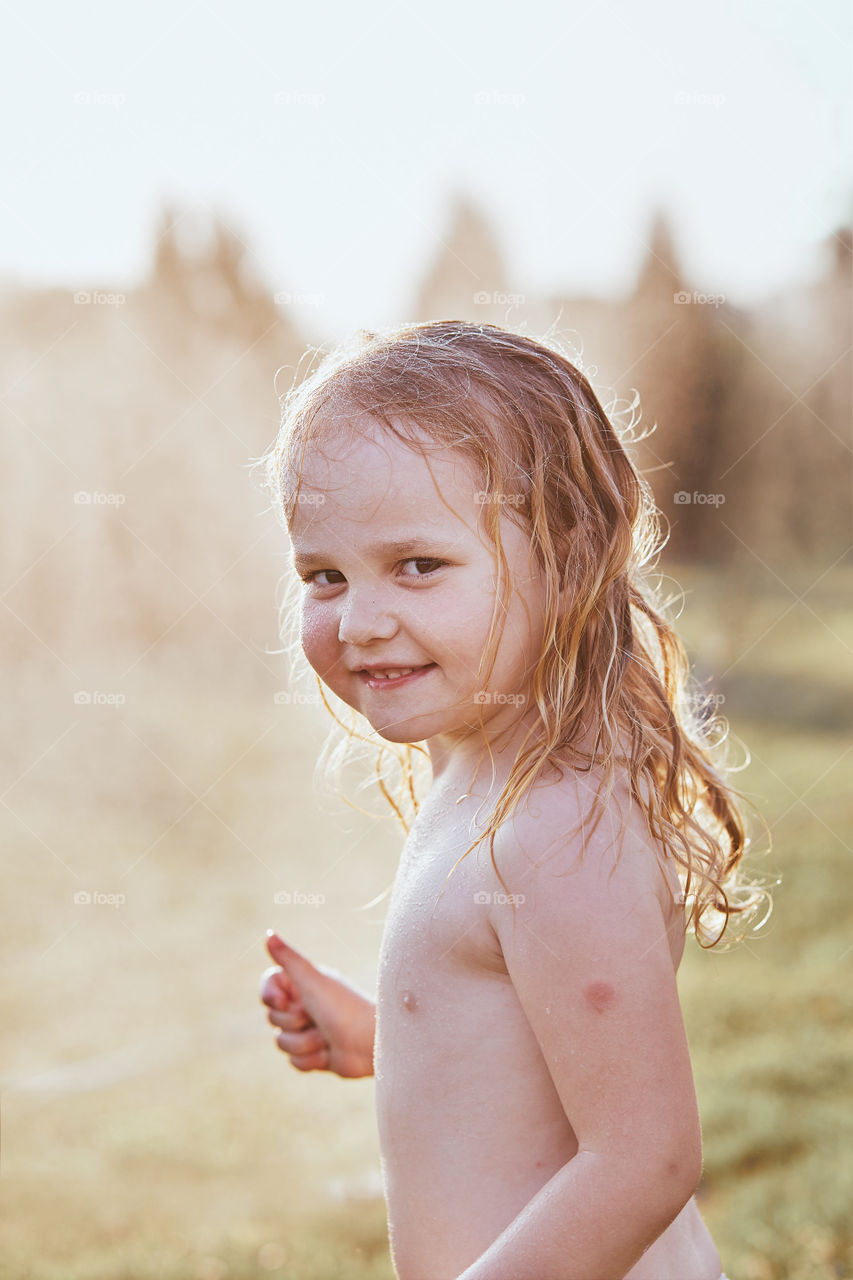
(297, 967)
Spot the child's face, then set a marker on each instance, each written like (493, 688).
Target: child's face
(425, 603)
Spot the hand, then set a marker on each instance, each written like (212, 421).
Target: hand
(326, 1024)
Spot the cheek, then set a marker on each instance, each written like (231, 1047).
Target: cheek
(456, 630)
(521, 642)
(318, 635)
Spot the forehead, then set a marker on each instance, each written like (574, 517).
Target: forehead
(369, 474)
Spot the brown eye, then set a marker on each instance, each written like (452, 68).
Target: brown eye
(420, 561)
(308, 578)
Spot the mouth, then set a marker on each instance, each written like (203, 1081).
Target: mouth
(393, 677)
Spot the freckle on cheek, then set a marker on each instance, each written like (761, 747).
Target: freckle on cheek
(600, 995)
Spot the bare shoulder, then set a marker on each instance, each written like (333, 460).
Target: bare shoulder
(558, 832)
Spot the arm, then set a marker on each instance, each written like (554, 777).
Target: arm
(589, 959)
(592, 1221)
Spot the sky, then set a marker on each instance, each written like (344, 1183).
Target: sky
(331, 136)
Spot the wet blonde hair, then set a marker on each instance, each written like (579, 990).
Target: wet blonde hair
(548, 457)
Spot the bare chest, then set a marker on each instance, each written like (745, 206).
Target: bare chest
(440, 951)
(470, 1124)
(452, 1037)
(438, 931)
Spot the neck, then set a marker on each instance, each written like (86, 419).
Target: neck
(477, 766)
(472, 763)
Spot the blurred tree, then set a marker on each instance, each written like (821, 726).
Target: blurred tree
(467, 279)
(148, 406)
(793, 398)
(676, 365)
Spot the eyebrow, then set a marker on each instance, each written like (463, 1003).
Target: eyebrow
(395, 547)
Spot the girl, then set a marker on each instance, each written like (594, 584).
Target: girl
(469, 535)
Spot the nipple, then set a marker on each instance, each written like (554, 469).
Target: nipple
(410, 1000)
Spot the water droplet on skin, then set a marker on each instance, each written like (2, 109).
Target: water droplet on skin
(547, 1008)
(410, 1000)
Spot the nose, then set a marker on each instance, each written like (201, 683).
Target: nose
(365, 618)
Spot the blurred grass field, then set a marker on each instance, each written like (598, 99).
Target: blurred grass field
(151, 1129)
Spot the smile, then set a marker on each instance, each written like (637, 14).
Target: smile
(394, 677)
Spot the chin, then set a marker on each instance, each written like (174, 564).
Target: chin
(400, 737)
(406, 731)
(413, 729)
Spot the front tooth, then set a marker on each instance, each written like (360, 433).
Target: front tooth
(394, 675)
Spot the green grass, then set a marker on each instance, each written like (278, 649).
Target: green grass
(201, 1155)
(770, 1023)
(771, 1032)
